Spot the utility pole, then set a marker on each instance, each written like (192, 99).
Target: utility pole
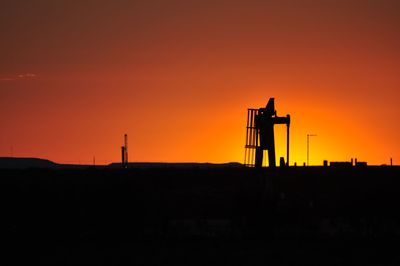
(308, 147)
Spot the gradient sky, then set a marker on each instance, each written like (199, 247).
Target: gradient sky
(178, 77)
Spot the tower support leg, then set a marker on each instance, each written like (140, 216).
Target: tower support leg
(259, 157)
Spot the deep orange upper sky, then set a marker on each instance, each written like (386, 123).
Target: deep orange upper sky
(178, 77)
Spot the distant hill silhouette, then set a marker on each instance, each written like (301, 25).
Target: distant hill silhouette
(27, 163)
(24, 163)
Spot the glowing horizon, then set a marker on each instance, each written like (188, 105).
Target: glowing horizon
(178, 79)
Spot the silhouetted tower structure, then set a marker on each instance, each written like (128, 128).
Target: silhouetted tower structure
(260, 135)
(124, 152)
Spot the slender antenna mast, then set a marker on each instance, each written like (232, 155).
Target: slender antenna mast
(124, 152)
(126, 149)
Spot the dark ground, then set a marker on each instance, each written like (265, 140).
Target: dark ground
(201, 216)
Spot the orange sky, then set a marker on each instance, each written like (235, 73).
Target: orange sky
(178, 77)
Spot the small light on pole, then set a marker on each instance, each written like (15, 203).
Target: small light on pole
(308, 147)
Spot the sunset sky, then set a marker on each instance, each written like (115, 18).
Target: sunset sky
(178, 77)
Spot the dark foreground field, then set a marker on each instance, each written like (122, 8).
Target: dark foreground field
(201, 216)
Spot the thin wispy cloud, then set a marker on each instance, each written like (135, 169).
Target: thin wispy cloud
(19, 77)
(27, 75)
